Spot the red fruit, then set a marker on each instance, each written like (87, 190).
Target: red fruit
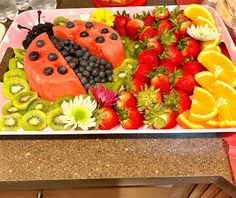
(169, 67)
(135, 86)
(120, 24)
(162, 82)
(172, 55)
(170, 119)
(184, 26)
(148, 20)
(130, 118)
(108, 118)
(168, 38)
(148, 32)
(164, 24)
(189, 47)
(142, 71)
(155, 45)
(192, 67)
(148, 57)
(185, 82)
(182, 17)
(127, 100)
(161, 13)
(133, 27)
(178, 101)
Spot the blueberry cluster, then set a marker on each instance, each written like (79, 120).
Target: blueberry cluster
(89, 69)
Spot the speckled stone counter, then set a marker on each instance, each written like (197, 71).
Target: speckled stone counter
(117, 160)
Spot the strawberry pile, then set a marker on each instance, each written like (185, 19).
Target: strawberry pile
(160, 86)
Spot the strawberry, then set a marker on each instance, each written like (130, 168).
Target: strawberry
(169, 67)
(130, 118)
(184, 26)
(135, 85)
(148, 97)
(148, 57)
(148, 19)
(178, 101)
(148, 32)
(107, 118)
(185, 82)
(126, 99)
(164, 24)
(141, 72)
(172, 55)
(168, 38)
(162, 82)
(133, 27)
(189, 47)
(155, 45)
(160, 117)
(192, 67)
(161, 13)
(120, 23)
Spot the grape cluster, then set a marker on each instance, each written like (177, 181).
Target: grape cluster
(89, 69)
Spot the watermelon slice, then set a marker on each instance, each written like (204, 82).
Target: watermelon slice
(111, 50)
(50, 87)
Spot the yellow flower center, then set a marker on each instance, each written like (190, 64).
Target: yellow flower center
(80, 114)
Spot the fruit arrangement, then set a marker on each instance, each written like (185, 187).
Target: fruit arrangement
(157, 69)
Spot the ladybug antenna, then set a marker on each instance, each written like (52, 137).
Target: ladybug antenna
(22, 27)
(39, 14)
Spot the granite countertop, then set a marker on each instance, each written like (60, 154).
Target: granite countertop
(103, 160)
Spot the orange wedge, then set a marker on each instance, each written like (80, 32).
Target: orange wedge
(205, 79)
(192, 11)
(184, 121)
(221, 66)
(212, 123)
(203, 106)
(212, 47)
(225, 96)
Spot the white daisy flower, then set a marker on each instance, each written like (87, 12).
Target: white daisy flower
(78, 112)
(202, 33)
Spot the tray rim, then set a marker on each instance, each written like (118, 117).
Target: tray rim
(123, 131)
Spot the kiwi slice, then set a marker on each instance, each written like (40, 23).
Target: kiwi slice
(10, 122)
(22, 100)
(14, 86)
(60, 20)
(14, 73)
(122, 72)
(16, 63)
(19, 53)
(39, 104)
(130, 63)
(34, 120)
(9, 108)
(54, 120)
(57, 103)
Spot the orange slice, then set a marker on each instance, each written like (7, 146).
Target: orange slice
(225, 96)
(212, 123)
(205, 79)
(184, 121)
(203, 106)
(221, 66)
(192, 11)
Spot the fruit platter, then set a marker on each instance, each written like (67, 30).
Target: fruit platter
(118, 71)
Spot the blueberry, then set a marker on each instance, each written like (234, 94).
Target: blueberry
(66, 42)
(79, 53)
(69, 58)
(100, 39)
(85, 49)
(96, 64)
(72, 65)
(102, 74)
(102, 61)
(90, 77)
(72, 51)
(92, 58)
(76, 47)
(84, 80)
(62, 69)
(88, 24)
(84, 34)
(103, 80)
(83, 63)
(95, 72)
(79, 75)
(91, 64)
(75, 60)
(92, 82)
(52, 56)
(64, 53)
(48, 71)
(102, 68)
(70, 24)
(88, 68)
(86, 86)
(34, 55)
(97, 79)
(108, 66)
(76, 70)
(109, 78)
(114, 36)
(86, 73)
(108, 71)
(72, 42)
(104, 31)
(40, 43)
(81, 69)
